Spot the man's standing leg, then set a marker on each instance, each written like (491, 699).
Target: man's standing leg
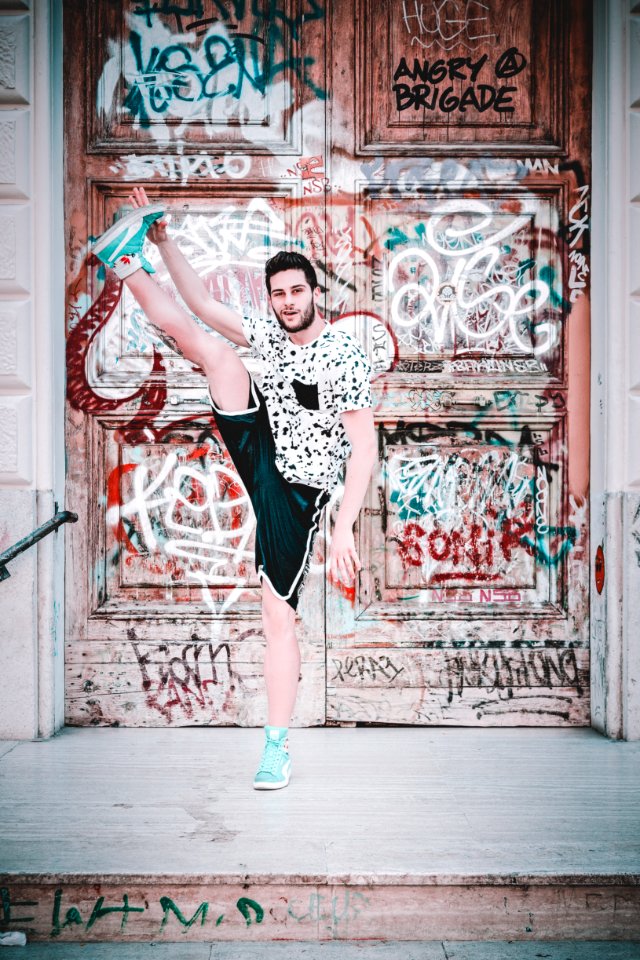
(282, 657)
(281, 675)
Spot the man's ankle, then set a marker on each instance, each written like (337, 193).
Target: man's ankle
(275, 731)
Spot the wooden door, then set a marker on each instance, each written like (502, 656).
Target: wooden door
(200, 102)
(432, 159)
(461, 146)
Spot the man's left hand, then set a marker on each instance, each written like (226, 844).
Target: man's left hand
(344, 563)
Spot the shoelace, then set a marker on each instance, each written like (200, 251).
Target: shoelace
(274, 754)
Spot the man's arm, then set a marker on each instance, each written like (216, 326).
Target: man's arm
(360, 429)
(193, 291)
(190, 284)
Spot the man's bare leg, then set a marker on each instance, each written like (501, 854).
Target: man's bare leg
(227, 375)
(282, 657)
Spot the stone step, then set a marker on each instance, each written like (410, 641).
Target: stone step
(383, 834)
(71, 908)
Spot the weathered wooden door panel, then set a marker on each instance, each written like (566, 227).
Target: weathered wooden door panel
(460, 76)
(432, 159)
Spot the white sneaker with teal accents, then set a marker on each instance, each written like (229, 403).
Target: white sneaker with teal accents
(120, 247)
(275, 767)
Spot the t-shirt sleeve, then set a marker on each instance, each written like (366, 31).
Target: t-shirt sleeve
(352, 387)
(263, 334)
(251, 330)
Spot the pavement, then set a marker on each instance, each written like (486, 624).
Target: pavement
(331, 950)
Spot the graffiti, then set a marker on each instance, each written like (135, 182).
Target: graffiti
(432, 400)
(407, 174)
(539, 165)
(269, 12)
(80, 342)
(245, 905)
(169, 907)
(181, 682)
(467, 265)
(579, 216)
(234, 237)
(494, 365)
(214, 78)
(506, 670)
(482, 595)
(467, 514)
(365, 666)
(167, 8)
(61, 919)
(578, 278)
(201, 518)
(428, 94)
(461, 514)
(466, 279)
(447, 23)
(181, 168)
(443, 485)
(73, 917)
(311, 170)
(334, 910)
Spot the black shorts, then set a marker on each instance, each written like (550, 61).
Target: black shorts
(287, 514)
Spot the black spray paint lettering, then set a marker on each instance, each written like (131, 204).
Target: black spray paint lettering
(430, 93)
(183, 681)
(365, 666)
(503, 671)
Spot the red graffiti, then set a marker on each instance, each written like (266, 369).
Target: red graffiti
(81, 396)
(476, 545)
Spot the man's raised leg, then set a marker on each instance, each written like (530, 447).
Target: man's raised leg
(225, 371)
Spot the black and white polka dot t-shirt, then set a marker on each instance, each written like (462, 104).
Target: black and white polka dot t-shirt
(306, 388)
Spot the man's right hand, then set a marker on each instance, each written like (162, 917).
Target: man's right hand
(157, 232)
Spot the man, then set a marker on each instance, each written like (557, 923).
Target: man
(288, 436)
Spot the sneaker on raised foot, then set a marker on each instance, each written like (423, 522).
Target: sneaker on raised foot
(120, 247)
(275, 767)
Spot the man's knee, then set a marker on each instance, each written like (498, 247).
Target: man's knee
(278, 617)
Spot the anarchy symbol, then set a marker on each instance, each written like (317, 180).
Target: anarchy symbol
(510, 63)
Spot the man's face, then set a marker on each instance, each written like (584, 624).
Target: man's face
(292, 300)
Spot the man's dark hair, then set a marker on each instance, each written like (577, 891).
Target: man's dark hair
(289, 260)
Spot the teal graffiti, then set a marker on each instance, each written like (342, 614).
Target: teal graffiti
(233, 65)
(245, 905)
(568, 537)
(74, 917)
(548, 275)
(168, 906)
(7, 905)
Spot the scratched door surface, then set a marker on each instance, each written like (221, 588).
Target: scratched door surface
(432, 159)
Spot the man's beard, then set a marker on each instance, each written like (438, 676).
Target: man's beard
(306, 319)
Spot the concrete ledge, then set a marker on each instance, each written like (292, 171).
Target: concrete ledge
(131, 909)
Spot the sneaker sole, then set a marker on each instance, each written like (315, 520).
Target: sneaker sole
(105, 239)
(272, 786)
